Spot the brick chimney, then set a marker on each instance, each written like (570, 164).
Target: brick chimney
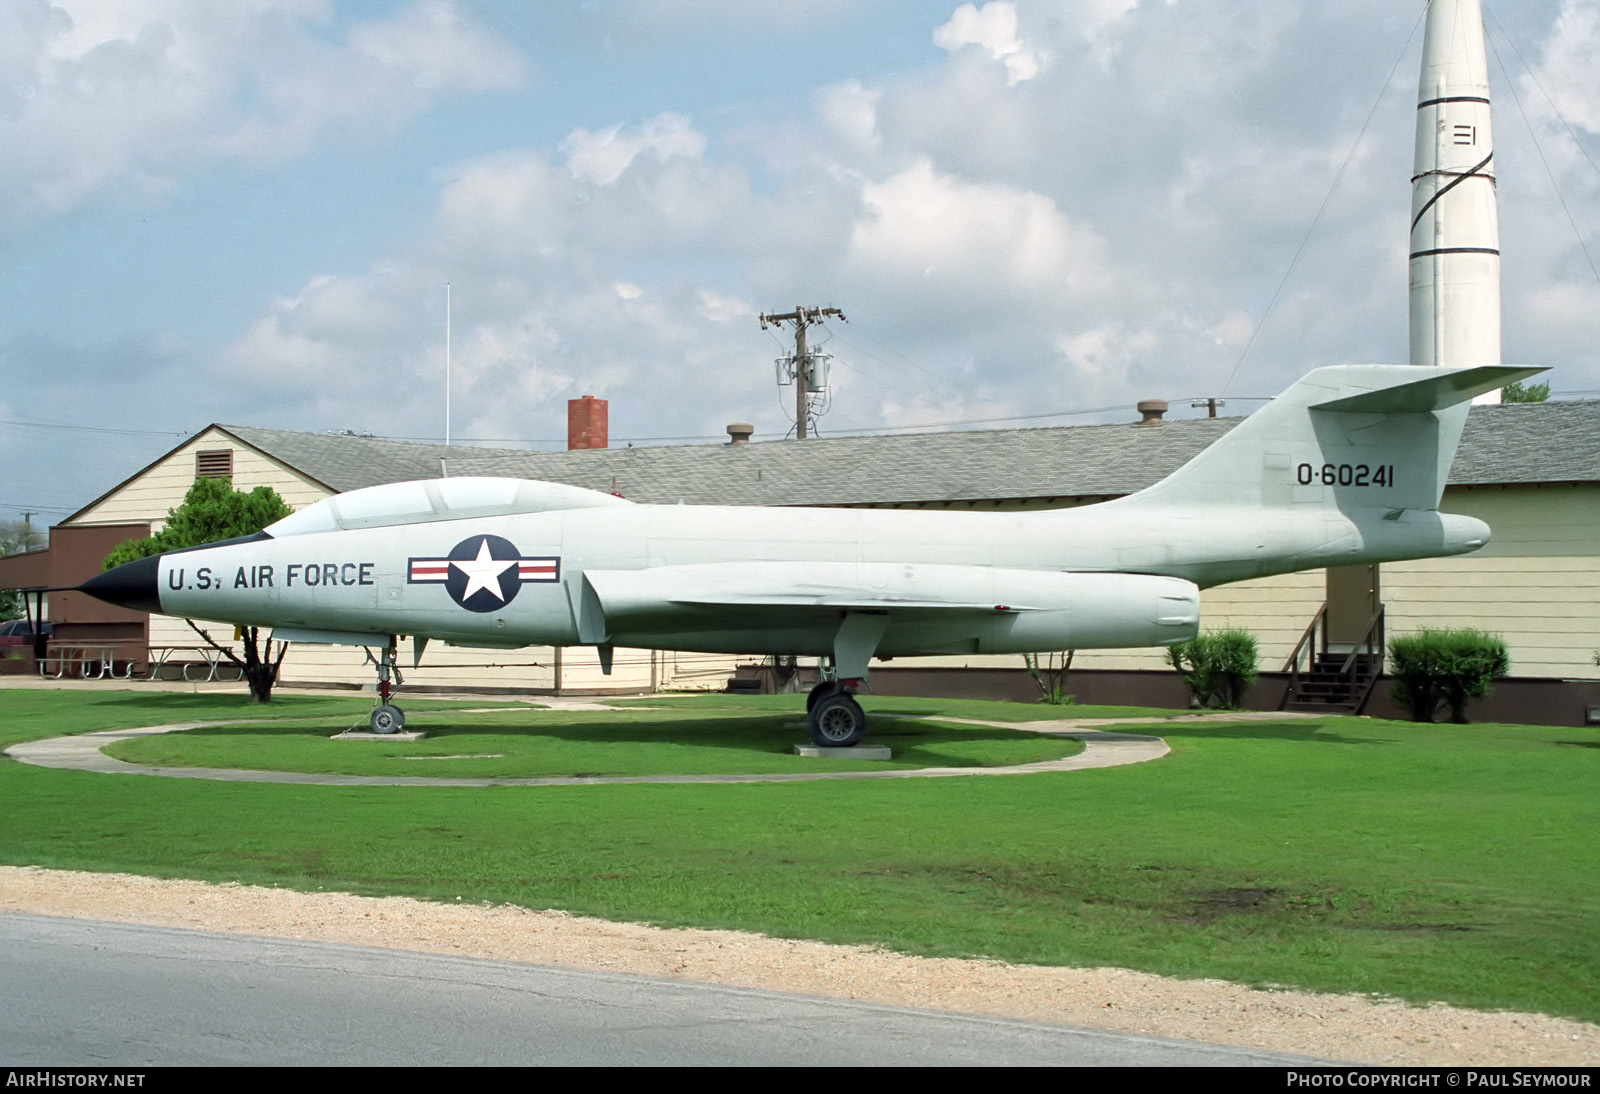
(586, 423)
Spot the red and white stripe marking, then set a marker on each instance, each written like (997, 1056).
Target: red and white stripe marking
(429, 569)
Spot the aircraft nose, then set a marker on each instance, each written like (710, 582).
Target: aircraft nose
(131, 585)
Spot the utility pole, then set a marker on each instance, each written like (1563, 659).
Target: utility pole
(801, 317)
(1210, 405)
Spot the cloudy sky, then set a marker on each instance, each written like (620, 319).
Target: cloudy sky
(248, 212)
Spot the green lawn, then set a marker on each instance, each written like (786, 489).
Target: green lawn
(1425, 862)
(696, 739)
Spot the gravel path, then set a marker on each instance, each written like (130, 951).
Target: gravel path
(1336, 1027)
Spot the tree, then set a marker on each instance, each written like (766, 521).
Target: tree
(15, 538)
(213, 510)
(1051, 677)
(1518, 392)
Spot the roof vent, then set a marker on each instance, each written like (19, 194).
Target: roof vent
(740, 432)
(214, 464)
(1151, 411)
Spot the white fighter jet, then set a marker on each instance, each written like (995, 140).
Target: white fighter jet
(1345, 467)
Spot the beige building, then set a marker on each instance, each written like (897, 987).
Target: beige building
(1531, 470)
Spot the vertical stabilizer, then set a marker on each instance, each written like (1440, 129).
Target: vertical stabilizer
(1345, 436)
(1455, 231)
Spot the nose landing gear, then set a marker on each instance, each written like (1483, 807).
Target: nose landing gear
(386, 717)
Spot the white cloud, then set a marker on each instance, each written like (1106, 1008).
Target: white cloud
(984, 238)
(720, 308)
(132, 96)
(1106, 352)
(1566, 69)
(992, 28)
(1003, 246)
(850, 110)
(503, 210)
(602, 157)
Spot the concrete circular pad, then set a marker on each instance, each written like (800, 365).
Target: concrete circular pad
(1102, 748)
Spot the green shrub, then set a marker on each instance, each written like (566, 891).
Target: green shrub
(1218, 667)
(1436, 668)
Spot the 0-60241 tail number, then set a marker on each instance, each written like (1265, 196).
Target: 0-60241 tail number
(1345, 474)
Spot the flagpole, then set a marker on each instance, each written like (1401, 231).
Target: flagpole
(447, 364)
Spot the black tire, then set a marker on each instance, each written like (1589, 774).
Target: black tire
(388, 719)
(825, 688)
(837, 721)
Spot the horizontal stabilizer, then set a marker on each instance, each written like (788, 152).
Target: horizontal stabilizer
(1433, 393)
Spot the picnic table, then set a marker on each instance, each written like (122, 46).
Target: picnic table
(91, 662)
(207, 660)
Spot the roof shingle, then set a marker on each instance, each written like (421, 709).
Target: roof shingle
(1512, 443)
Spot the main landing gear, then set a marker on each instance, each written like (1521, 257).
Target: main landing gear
(837, 720)
(386, 717)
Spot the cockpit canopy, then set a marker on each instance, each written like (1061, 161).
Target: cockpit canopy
(428, 500)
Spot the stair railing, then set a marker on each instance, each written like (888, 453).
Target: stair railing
(1371, 648)
(1305, 650)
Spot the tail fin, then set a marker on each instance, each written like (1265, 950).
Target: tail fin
(1345, 436)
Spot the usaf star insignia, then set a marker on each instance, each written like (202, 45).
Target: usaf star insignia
(483, 573)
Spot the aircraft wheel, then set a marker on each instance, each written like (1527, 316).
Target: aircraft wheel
(388, 719)
(837, 721)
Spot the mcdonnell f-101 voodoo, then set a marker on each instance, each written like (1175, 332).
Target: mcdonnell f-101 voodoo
(1345, 467)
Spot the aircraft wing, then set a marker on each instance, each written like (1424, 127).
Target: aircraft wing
(840, 586)
(1061, 607)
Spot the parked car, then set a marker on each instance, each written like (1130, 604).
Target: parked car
(18, 633)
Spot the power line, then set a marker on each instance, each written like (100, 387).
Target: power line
(934, 376)
(94, 429)
(25, 507)
(1539, 148)
(1323, 208)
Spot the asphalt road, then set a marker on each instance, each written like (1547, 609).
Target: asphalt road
(84, 993)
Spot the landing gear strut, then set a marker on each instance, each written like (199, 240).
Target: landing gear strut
(836, 719)
(386, 717)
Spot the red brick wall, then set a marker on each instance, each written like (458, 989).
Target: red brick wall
(587, 425)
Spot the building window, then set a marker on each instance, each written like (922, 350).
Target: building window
(217, 464)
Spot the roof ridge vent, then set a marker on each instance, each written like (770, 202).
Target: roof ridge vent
(1151, 411)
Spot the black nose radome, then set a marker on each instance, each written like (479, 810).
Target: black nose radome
(131, 585)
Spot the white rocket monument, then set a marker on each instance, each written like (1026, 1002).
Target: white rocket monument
(1455, 228)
